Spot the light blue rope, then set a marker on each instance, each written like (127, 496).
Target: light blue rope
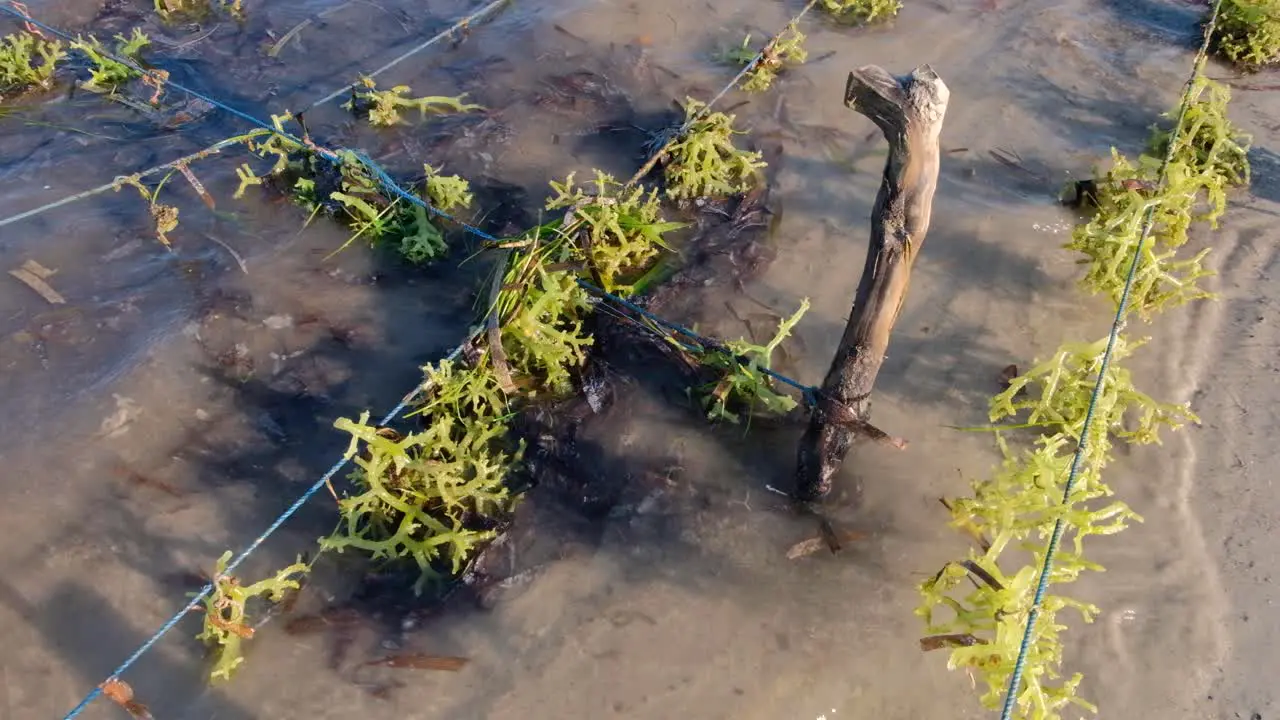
(1059, 526)
(809, 392)
(464, 23)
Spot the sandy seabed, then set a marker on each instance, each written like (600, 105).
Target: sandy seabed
(175, 405)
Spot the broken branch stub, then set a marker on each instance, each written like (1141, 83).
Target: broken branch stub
(909, 110)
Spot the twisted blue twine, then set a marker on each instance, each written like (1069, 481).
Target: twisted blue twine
(809, 392)
(1117, 325)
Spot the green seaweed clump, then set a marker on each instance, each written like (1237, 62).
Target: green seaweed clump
(27, 60)
(1055, 395)
(421, 240)
(1209, 142)
(704, 162)
(349, 191)
(861, 12)
(446, 192)
(290, 156)
(975, 608)
(609, 235)
(786, 48)
(107, 74)
(618, 230)
(431, 496)
(742, 383)
(368, 210)
(226, 614)
(393, 220)
(344, 187)
(383, 106)
(296, 166)
(1109, 240)
(298, 169)
(1210, 157)
(196, 9)
(1248, 32)
(436, 496)
(543, 314)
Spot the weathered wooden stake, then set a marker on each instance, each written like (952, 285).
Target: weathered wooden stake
(909, 110)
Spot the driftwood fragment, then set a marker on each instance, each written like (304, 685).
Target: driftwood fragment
(34, 275)
(938, 642)
(421, 661)
(909, 111)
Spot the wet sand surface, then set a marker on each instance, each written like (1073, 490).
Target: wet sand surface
(175, 404)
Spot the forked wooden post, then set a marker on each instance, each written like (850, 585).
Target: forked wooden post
(909, 110)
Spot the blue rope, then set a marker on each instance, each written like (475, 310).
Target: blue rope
(394, 188)
(462, 24)
(810, 392)
(1059, 526)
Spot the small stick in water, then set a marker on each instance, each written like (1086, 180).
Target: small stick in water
(421, 661)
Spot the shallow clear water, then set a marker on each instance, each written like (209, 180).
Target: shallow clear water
(175, 404)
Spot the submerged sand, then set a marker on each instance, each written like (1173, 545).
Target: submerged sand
(175, 405)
